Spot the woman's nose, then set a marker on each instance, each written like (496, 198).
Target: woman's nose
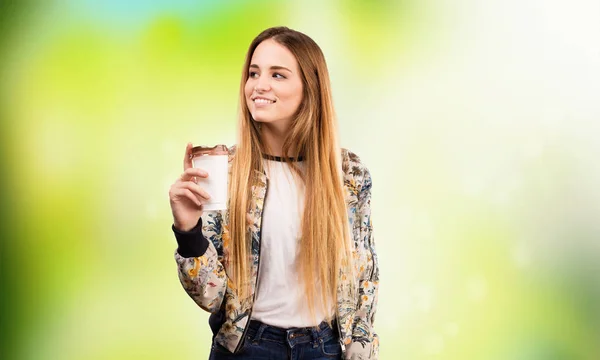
(262, 84)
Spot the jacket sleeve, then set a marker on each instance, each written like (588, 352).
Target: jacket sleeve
(365, 342)
(198, 258)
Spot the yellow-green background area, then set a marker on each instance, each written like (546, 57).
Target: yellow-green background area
(479, 121)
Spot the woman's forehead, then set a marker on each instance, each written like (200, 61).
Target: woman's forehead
(270, 53)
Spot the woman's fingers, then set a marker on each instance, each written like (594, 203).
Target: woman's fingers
(187, 193)
(184, 193)
(190, 173)
(197, 190)
(181, 188)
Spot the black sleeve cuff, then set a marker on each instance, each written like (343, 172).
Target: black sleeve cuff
(191, 243)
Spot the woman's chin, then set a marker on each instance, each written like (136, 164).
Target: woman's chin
(261, 119)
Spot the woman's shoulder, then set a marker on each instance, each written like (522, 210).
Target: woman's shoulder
(354, 168)
(352, 165)
(350, 156)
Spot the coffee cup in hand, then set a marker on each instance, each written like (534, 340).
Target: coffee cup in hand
(213, 160)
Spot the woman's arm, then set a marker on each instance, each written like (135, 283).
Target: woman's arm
(201, 273)
(363, 334)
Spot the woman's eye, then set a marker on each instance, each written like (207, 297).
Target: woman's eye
(278, 76)
(253, 74)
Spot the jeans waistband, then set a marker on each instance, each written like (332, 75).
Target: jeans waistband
(259, 331)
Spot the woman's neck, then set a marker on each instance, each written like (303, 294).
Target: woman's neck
(272, 136)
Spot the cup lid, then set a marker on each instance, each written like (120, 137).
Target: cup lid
(206, 150)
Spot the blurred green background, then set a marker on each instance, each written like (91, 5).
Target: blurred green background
(478, 120)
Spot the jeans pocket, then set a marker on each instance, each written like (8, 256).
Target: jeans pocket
(331, 347)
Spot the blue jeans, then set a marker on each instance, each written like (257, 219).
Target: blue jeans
(263, 341)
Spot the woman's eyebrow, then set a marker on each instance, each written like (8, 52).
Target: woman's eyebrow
(274, 67)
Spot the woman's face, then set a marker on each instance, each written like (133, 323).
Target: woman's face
(274, 87)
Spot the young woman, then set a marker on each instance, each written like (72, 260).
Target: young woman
(289, 270)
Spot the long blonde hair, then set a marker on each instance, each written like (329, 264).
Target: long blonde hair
(325, 236)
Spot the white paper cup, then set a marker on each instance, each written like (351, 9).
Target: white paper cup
(214, 162)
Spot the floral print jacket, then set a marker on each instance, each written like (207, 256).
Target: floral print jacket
(202, 255)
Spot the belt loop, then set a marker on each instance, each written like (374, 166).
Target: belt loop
(259, 332)
(316, 339)
(315, 333)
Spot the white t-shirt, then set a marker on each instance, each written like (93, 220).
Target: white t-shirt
(280, 299)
